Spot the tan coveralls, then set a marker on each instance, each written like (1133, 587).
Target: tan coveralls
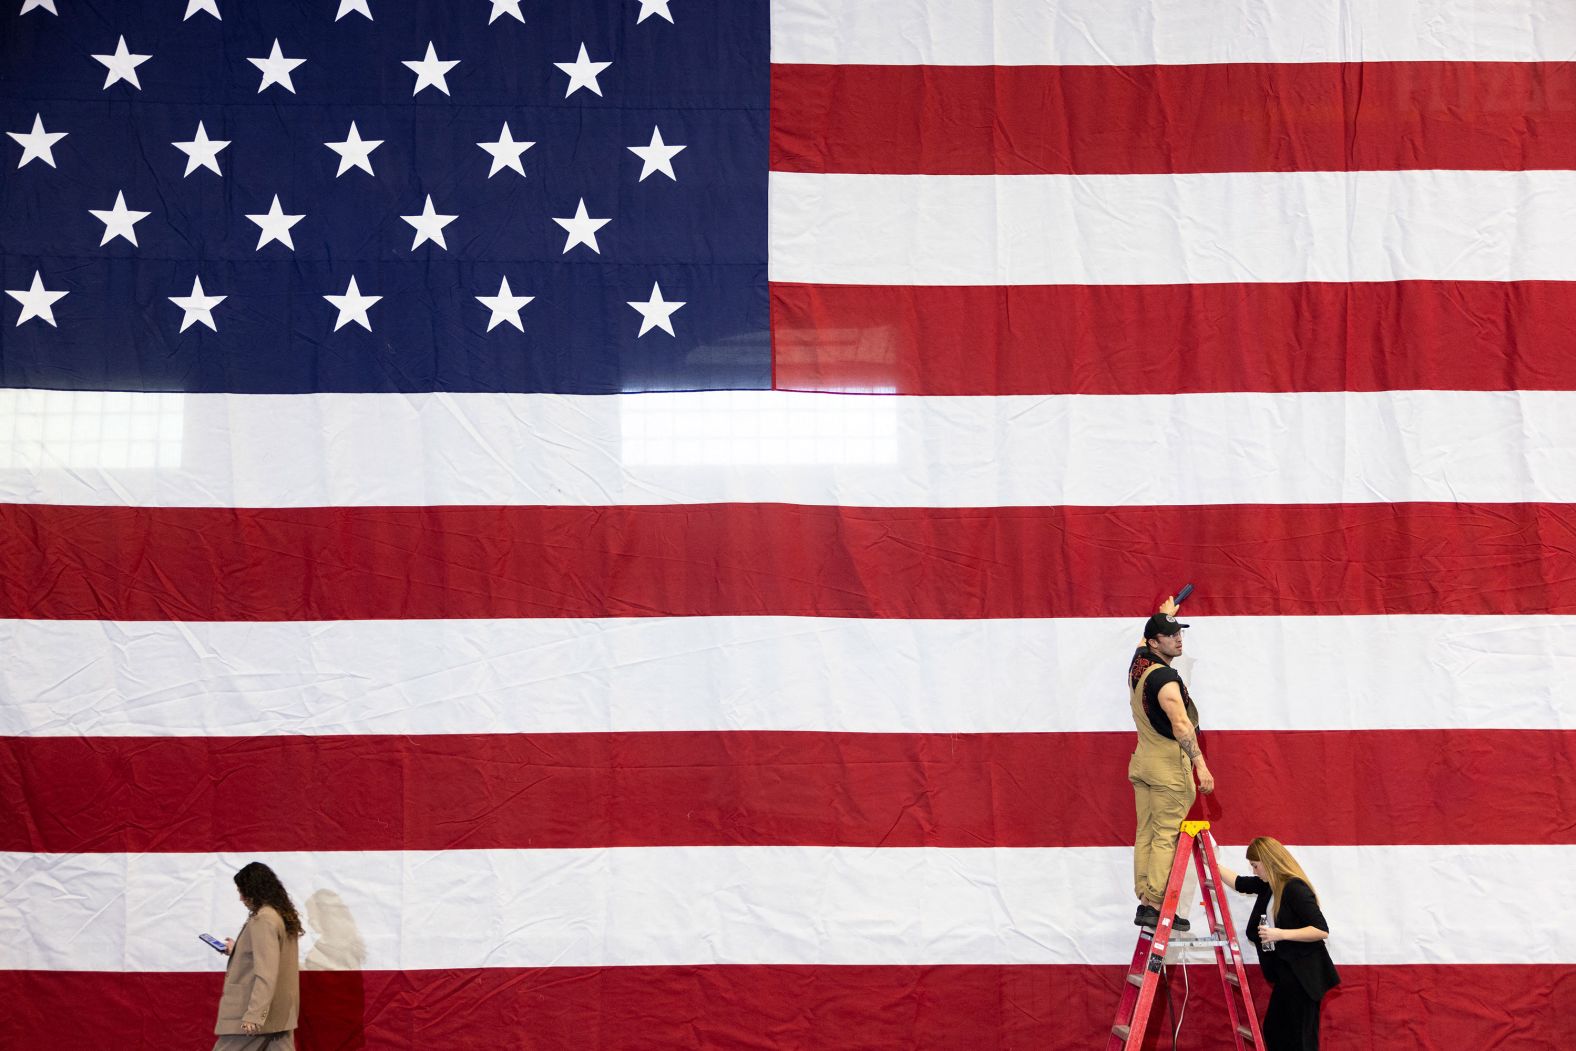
(1163, 790)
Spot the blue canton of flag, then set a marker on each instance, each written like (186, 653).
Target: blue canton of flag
(363, 195)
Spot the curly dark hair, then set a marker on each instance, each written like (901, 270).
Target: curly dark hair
(259, 886)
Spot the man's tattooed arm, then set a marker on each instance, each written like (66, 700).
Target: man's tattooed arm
(1181, 726)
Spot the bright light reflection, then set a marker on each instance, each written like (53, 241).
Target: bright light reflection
(41, 429)
(759, 427)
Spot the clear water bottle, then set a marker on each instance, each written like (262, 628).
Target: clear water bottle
(1266, 924)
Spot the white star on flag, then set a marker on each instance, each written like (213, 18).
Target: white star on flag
(36, 301)
(210, 6)
(582, 229)
(582, 73)
(353, 306)
(276, 69)
(655, 312)
(354, 152)
(353, 6)
(431, 72)
(38, 144)
(505, 306)
(201, 151)
(429, 225)
(653, 7)
(505, 7)
(122, 65)
(657, 157)
(198, 306)
(119, 221)
(38, 5)
(505, 152)
(274, 225)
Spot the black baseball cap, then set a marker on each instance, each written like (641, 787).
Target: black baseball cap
(1162, 624)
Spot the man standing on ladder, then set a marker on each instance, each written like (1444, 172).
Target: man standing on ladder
(1163, 764)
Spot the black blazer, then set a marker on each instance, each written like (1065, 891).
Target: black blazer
(1308, 962)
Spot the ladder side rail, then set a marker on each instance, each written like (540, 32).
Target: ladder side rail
(1209, 882)
(1209, 854)
(1130, 993)
(1138, 1022)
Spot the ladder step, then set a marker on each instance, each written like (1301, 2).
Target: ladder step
(1122, 1030)
(1187, 942)
(1246, 1033)
(1230, 977)
(1136, 979)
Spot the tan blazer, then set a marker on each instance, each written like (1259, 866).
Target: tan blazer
(262, 984)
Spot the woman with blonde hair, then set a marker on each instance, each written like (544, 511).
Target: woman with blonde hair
(1292, 953)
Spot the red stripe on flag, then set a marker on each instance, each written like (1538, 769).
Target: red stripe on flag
(743, 788)
(782, 1008)
(1174, 339)
(1245, 117)
(370, 563)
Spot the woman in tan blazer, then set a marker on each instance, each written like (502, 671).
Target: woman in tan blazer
(262, 991)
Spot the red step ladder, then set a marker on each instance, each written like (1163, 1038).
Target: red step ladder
(1143, 975)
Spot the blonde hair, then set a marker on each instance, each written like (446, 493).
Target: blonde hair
(1279, 866)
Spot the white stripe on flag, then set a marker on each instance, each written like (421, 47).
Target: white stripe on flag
(1172, 229)
(70, 678)
(802, 448)
(1149, 32)
(658, 906)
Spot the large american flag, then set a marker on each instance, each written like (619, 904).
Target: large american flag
(639, 511)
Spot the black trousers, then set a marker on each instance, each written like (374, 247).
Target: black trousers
(1291, 1022)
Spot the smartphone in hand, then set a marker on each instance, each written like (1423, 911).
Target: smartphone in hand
(215, 943)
